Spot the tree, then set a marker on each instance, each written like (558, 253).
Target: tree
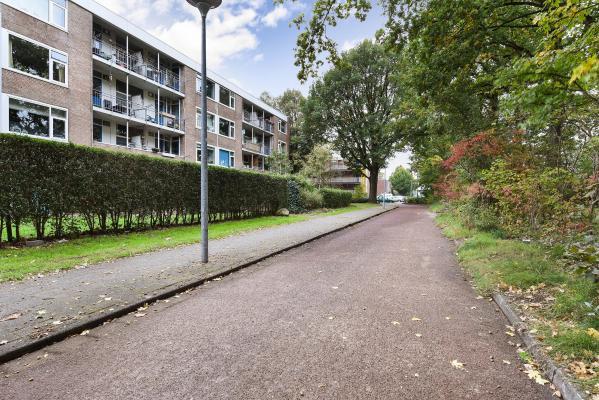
(352, 107)
(268, 99)
(278, 163)
(402, 181)
(318, 166)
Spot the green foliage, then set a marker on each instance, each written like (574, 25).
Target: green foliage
(402, 181)
(336, 198)
(359, 195)
(295, 203)
(318, 166)
(278, 163)
(117, 191)
(366, 138)
(311, 199)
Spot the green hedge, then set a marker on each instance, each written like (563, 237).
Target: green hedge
(64, 189)
(336, 198)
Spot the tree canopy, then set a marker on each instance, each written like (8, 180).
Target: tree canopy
(402, 181)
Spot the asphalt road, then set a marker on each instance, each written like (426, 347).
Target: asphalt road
(377, 311)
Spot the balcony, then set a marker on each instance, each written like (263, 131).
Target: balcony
(116, 55)
(258, 122)
(346, 179)
(256, 148)
(119, 104)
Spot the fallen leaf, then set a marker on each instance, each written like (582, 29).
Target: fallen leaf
(473, 308)
(395, 322)
(139, 315)
(416, 319)
(335, 287)
(419, 335)
(11, 317)
(57, 323)
(447, 317)
(85, 332)
(592, 332)
(507, 362)
(107, 298)
(416, 375)
(331, 317)
(479, 297)
(536, 376)
(457, 364)
(510, 333)
(41, 312)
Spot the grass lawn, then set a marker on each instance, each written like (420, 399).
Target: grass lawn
(17, 263)
(559, 304)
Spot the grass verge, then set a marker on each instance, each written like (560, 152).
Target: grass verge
(17, 263)
(561, 306)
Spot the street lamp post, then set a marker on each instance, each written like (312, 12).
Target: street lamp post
(204, 6)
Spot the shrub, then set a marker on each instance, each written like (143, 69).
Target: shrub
(335, 198)
(295, 203)
(50, 182)
(311, 199)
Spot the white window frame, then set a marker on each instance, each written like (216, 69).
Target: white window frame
(284, 132)
(49, 19)
(199, 87)
(198, 148)
(231, 156)
(231, 97)
(231, 126)
(279, 146)
(198, 126)
(5, 40)
(50, 116)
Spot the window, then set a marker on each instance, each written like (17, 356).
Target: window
(211, 121)
(51, 11)
(211, 154)
(282, 147)
(226, 127)
(226, 158)
(282, 126)
(226, 97)
(168, 144)
(37, 60)
(210, 87)
(37, 119)
(98, 130)
(121, 135)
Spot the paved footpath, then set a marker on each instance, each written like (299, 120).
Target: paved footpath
(377, 311)
(55, 302)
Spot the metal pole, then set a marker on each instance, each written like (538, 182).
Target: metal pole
(204, 147)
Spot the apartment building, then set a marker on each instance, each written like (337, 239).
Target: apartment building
(73, 71)
(345, 177)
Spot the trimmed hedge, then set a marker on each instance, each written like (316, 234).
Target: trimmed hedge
(336, 198)
(70, 188)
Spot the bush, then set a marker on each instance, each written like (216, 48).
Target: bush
(295, 203)
(311, 199)
(57, 183)
(335, 198)
(417, 200)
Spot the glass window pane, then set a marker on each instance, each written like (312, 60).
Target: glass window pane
(29, 118)
(59, 57)
(223, 127)
(62, 3)
(98, 130)
(28, 57)
(59, 16)
(59, 113)
(59, 128)
(59, 72)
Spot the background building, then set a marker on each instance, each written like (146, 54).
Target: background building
(74, 71)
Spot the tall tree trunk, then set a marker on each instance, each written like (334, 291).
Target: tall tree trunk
(373, 181)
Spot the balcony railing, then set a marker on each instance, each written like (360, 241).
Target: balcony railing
(256, 147)
(135, 62)
(261, 123)
(120, 105)
(346, 179)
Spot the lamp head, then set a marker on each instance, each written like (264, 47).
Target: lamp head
(205, 5)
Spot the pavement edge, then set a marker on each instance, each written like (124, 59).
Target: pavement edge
(554, 373)
(77, 328)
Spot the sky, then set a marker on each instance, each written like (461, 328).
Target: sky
(250, 42)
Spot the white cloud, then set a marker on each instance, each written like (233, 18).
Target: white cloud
(277, 14)
(258, 57)
(350, 44)
(231, 27)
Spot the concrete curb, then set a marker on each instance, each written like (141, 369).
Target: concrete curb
(555, 374)
(77, 328)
